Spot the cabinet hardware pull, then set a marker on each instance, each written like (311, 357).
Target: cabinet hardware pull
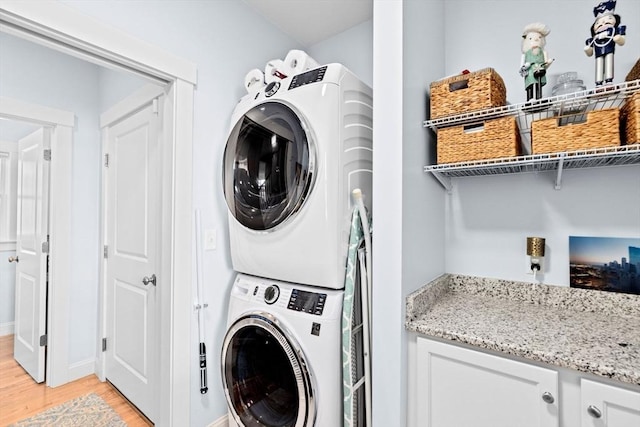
(594, 411)
(548, 397)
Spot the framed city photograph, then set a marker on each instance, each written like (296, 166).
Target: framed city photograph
(605, 263)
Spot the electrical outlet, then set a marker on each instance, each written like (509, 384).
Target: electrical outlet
(533, 262)
(210, 237)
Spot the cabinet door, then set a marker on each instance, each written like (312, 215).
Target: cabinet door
(458, 387)
(603, 405)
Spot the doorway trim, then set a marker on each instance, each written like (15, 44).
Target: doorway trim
(55, 24)
(61, 123)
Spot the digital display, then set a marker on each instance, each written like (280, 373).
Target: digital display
(309, 77)
(308, 302)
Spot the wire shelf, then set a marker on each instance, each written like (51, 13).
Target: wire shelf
(592, 99)
(569, 108)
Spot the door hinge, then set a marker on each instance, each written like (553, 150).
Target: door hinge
(45, 246)
(106, 160)
(104, 345)
(46, 154)
(105, 251)
(154, 106)
(43, 340)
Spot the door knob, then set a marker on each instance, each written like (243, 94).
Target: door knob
(594, 411)
(14, 259)
(146, 280)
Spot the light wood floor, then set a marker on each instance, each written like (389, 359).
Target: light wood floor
(21, 397)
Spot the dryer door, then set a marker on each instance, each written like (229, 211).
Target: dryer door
(265, 375)
(268, 166)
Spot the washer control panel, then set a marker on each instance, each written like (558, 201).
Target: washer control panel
(308, 302)
(311, 76)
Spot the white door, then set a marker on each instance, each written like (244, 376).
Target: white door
(459, 387)
(602, 405)
(132, 212)
(31, 257)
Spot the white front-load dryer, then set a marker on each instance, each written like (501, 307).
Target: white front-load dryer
(281, 356)
(296, 150)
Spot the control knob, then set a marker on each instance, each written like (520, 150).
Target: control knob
(271, 89)
(271, 294)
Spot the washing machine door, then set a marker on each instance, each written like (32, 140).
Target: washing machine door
(268, 166)
(265, 376)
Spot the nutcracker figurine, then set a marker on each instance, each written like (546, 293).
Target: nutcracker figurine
(534, 63)
(606, 32)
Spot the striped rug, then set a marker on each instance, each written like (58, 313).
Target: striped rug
(86, 411)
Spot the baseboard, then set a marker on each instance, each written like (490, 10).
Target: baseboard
(221, 422)
(6, 328)
(81, 369)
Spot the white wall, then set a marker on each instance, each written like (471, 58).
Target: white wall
(37, 75)
(226, 39)
(353, 48)
(409, 245)
(116, 85)
(487, 33)
(7, 292)
(489, 218)
(484, 223)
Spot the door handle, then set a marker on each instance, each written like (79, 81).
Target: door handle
(146, 280)
(14, 259)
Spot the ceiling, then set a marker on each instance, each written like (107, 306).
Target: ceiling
(312, 21)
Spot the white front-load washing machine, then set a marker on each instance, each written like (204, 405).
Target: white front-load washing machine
(281, 356)
(296, 150)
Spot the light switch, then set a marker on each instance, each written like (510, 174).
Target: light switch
(210, 240)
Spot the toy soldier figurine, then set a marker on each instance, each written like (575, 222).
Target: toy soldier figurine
(534, 63)
(606, 32)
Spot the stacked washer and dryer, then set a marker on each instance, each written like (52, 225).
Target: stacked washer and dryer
(300, 142)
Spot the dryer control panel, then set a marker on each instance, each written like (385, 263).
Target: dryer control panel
(308, 302)
(311, 76)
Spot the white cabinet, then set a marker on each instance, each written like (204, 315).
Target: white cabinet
(602, 405)
(463, 387)
(457, 387)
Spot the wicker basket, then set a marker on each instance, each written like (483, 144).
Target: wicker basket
(601, 129)
(488, 140)
(634, 74)
(467, 92)
(630, 120)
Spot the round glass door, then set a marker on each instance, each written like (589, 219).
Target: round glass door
(268, 166)
(265, 379)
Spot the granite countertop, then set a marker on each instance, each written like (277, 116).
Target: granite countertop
(586, 330)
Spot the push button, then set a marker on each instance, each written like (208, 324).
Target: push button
(315, 329)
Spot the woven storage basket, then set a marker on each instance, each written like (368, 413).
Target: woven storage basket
(634, 74)
(601, 129)
(630, 120)
(489, 140)
(467, 92)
